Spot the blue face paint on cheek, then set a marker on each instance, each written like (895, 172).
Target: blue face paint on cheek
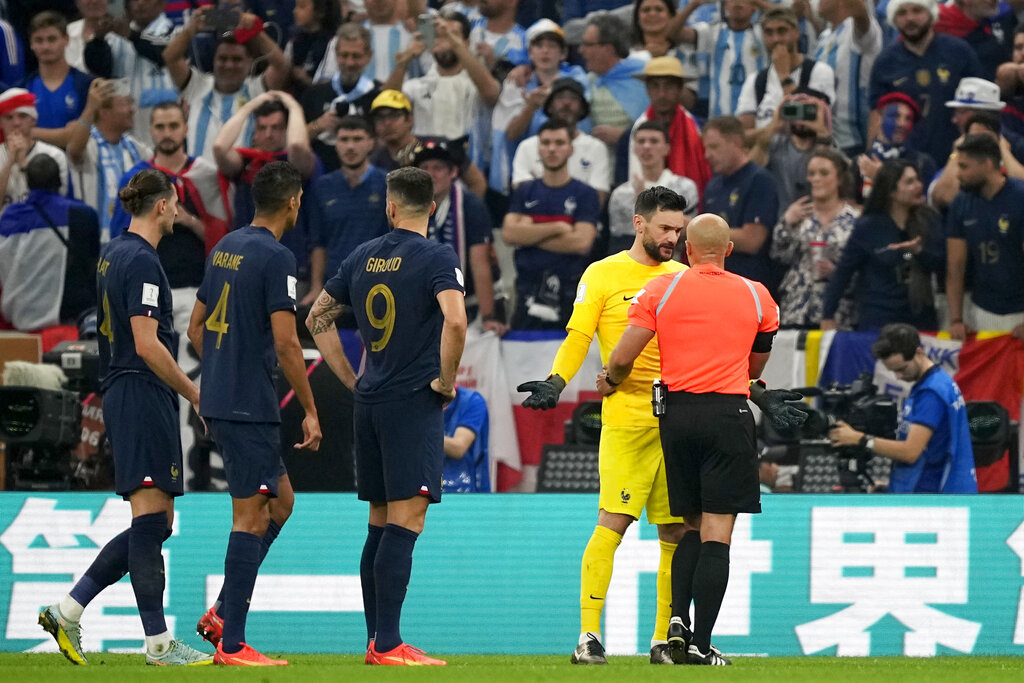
(889, 120)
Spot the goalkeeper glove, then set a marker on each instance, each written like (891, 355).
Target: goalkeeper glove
(783, 415)
(543, 393)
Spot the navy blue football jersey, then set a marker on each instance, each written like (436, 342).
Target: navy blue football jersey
(249, 275)
(392, 283)
(130, 282)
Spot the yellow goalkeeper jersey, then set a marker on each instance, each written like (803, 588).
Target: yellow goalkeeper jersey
(602, 299)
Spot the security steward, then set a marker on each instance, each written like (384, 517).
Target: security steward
(715, 330)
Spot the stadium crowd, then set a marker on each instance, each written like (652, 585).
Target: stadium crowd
(868, 159)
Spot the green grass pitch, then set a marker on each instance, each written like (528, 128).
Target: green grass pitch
(113, 668)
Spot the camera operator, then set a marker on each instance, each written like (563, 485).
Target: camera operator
(932, 451)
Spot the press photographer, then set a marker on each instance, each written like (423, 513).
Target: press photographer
(932, 451)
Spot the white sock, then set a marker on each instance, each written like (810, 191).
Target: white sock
(586, 636)
(158, 644)
(658, 642)
(70, 609)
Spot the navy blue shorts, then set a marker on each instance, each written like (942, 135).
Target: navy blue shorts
(145, 437)
(252, 455)
(400, 447)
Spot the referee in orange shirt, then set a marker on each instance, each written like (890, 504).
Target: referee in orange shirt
(715, 330)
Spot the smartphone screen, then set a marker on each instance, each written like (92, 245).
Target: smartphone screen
(425, 26)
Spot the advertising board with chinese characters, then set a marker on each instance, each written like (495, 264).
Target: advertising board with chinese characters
(817, 575)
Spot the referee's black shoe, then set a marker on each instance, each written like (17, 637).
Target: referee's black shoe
(590, 651)
(679, 638)
(713, 657)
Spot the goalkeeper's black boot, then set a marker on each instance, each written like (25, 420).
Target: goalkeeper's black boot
(590, 651)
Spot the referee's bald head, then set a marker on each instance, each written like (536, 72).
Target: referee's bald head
(707, 239)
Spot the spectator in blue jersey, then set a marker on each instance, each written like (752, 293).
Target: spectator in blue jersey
(215, 97)
(895, 247)
(728, 51)
(616, 98)
(48, 250)
(742, 193)
(850, 44)
(60, 89)
(985, 244)
(132, 48)
(897, 114)
(926, 66)
(17, 122)
(316, 22)
(784, 146)
(350, 92)
(243, 326)
(552, 222)
(788, 72)
(932, 451)
(12, 56)
(461, 221)
(986, 25)
(346, 207)
(466, 466)
(519, 112)
(101, 148)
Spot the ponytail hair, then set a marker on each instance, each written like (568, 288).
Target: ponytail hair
(144, 190)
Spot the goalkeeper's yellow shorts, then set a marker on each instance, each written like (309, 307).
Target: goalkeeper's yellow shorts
(633, 474)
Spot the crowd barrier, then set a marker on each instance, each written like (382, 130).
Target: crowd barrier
(841, 575)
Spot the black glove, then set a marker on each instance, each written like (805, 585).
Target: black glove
(543, 393)
(783, 416)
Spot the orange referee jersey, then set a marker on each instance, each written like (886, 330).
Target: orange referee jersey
(706, 320)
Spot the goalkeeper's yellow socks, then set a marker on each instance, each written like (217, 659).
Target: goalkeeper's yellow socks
(664, 612)
(595, 575)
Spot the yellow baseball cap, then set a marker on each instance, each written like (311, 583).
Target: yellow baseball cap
(391, 99)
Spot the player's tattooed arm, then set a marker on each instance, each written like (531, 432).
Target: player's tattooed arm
(320, 322)
(323, 314)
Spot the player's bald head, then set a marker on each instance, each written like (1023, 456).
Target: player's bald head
(707, 239)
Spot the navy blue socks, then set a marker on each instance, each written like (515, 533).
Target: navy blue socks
(107, 569)
(269, 536)
(240, 567)
(146, 567)
(391, 569)
(373, 536)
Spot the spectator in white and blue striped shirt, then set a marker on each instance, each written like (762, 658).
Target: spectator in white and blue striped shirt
(849, 45)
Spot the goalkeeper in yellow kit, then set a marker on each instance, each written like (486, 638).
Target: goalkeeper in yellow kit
(632, 468)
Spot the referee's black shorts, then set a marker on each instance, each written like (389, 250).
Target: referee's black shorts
(710, 454)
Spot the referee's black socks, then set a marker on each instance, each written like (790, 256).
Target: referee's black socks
(684, 562)
(710, 578)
